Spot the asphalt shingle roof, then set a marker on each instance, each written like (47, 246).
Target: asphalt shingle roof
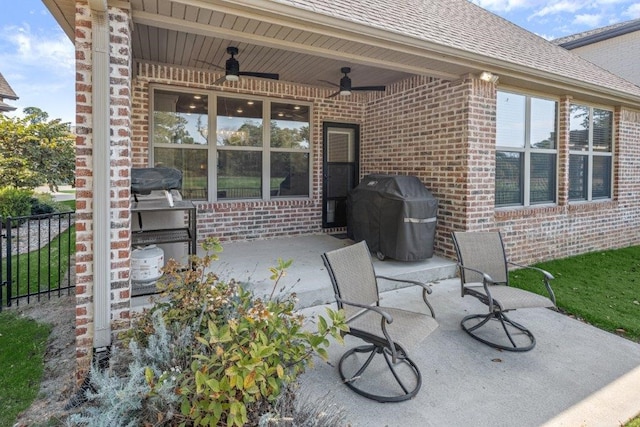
(598, 34)
(5, 89)
(462, 25)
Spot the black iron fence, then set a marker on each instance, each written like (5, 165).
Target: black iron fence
(36, 257)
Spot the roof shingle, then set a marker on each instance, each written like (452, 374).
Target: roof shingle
(464, 26)
(5, 89)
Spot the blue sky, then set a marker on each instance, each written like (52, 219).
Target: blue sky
(37, 58)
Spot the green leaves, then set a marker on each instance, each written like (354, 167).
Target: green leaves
(246, 349)
(35, 151)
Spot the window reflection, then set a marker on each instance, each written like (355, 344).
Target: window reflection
(239, 122)
(179, 118)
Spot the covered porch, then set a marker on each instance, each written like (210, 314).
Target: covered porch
(576, 375)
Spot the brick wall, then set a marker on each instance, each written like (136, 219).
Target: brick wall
(444, 133)
(119, 58)
(242, 220)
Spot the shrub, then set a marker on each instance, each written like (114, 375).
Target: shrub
(210, 352)
(15, 202)
(43, 203)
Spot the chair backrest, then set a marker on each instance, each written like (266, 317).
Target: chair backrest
(352, 276)
(482, 251)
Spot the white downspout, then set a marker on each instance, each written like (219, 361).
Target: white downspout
(101, 177)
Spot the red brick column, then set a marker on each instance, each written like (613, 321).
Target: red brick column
(120, 143)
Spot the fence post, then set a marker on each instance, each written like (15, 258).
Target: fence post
(9, 267)
(2, 281)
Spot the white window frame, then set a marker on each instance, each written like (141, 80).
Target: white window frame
(591, 153)
(212, 147)
(527, 150)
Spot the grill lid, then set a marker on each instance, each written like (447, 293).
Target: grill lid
(146, 180)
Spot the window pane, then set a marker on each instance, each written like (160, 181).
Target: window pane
(602, 130)
(509, 169)
(289, 126)
(601, 184)
(239, 174)
(579, 128)
(543, 123)
(179, 118)
(192, 163)
(289, 174)
(543, 178)
(578, 176)
(239, 122)
(510, 119)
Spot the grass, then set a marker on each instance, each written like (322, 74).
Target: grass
(602, 288)
(22, 347)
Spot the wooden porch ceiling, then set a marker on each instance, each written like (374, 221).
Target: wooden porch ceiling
(195, 33)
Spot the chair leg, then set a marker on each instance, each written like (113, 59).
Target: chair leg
(508, 326)
(374, 350)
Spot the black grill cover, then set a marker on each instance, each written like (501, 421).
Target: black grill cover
(395, 215)
(146, 180)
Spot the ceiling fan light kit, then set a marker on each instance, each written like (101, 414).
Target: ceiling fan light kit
(345, 87)
(232, 71)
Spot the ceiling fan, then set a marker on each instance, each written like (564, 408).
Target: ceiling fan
(232, 69)
(345, 85)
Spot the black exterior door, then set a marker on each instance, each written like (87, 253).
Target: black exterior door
(341, 167)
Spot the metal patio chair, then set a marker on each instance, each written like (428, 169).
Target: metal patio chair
(483, 267)
(388, 332)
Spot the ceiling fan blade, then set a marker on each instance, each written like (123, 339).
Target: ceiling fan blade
(334, 94)
(378, 88)
(271, 76)
(210, 64)
(328, 82)
(220, 80)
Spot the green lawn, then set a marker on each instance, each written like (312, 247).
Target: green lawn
(22, 347)
(602, 288)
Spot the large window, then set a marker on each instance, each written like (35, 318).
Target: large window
(526, 150)
(590, 153)
(258, 148)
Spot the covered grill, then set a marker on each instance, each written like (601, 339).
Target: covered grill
(395, 215)
(146, 180)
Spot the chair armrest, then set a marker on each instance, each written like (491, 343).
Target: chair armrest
(384, 320)
(486, 281)
(386, 316)
(425, 290)
(413, 282)
(546, 277)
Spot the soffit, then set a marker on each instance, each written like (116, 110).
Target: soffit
(305, 46)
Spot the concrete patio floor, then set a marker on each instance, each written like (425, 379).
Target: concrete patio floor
(577, 375)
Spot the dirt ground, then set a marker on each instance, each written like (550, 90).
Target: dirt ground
(58, 381)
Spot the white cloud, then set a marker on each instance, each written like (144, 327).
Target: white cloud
(591, 21)
(501, 5)
(633, 11)
(42, 50)
(562, 6)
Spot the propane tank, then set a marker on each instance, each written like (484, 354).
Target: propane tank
(146, 265)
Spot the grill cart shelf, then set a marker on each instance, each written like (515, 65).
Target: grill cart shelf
(169, 235)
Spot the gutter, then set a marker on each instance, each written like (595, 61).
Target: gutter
(101, 192)
(601, 36)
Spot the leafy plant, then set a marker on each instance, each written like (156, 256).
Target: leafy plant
(15, 202)
(36, 151)
(241, 352)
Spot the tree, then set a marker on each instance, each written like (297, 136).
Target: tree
(36, 151)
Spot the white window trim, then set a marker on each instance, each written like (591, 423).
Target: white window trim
(213, 148)
(527, 150)
(591, 153)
